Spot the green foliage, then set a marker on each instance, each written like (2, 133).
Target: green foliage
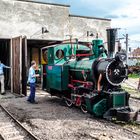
(134, 75)
(138, 64)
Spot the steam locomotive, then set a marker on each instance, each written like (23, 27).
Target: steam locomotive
(87, 76)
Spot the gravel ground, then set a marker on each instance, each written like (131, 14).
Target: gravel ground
(50, 119)
(132, 83)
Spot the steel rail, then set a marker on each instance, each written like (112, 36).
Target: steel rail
(1, 137)
(33, 137)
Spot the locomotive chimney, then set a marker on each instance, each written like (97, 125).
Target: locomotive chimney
(111, 38)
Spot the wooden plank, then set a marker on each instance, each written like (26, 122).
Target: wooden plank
(11, 65)
(16, 46)
(24, 66)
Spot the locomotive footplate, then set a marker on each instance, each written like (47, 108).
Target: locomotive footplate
(118, 107)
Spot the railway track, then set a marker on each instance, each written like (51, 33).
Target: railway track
(12, 129)
(136, 98)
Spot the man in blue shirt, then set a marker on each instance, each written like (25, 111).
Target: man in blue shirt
(2, 66)
(31, 80)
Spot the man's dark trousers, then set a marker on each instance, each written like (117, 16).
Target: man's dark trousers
(31, 98)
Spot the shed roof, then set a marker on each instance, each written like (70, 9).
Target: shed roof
(90, 17)
(40, 2)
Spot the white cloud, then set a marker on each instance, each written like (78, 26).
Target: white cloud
(99, 8)
(124, 13)
(131, 23)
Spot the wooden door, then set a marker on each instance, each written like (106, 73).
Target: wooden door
(24, 66)
(19, 65)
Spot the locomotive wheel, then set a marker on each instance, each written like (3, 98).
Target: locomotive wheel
(84, 108)
(68, 103)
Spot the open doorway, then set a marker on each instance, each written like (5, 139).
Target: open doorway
(34, 52)
(5, 59)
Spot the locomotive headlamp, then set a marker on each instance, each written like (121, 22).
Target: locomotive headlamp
(120, 57)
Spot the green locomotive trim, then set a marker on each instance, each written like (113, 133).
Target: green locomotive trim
(100, 108)
(57, 77)
(75, 77)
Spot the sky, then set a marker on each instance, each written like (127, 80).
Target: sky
(125, 14)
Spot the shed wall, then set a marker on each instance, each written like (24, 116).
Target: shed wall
(27, 18)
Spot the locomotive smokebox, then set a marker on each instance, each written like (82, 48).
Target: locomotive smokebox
(111, 38)
(113, 71)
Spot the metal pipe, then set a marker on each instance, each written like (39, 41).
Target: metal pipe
(126, 48)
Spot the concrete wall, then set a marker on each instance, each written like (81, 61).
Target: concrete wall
(80, 25)
(27, 18)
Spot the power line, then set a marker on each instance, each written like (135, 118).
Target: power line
(134, 41)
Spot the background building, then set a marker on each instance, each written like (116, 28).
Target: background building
(134, 57)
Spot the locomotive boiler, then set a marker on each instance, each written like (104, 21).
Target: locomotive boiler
(87, 76)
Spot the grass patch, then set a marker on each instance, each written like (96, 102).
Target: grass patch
(134, 75)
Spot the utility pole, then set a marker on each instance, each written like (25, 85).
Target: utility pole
(126, 48)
